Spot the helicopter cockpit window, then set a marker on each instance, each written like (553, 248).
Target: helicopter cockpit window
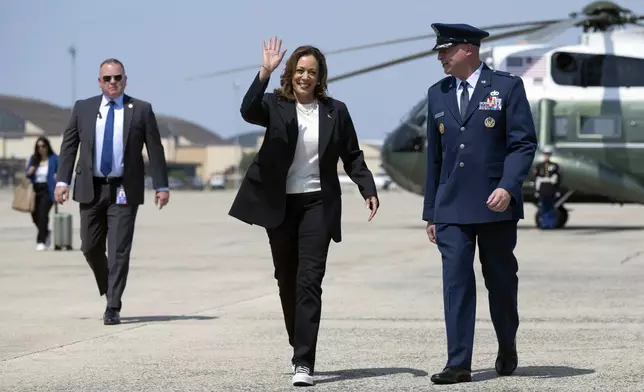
(408, 138)
(596, 70)
(421, 120)
(419, 109)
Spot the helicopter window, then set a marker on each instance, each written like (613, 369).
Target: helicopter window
(407, 139)
(599, 126)
(561, 126)
(421, 120)
(514, 62)
(419, 108)
(593, 70)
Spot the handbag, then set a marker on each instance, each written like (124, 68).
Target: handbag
(24, 197)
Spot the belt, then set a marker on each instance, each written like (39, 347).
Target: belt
(107, 180)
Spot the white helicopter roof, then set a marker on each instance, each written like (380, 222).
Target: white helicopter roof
(533, 63)
(621, 41)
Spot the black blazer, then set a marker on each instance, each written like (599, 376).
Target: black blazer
(139, 129)
(261, 198)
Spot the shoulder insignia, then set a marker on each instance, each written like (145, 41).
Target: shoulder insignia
(503, 73)
(440, 82)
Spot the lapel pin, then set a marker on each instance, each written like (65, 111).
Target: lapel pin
(130, 106)
(482, 81)
(328, 115)
(494, 93)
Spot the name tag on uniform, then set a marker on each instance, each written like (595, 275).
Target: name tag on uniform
(120, 196)
(438, 115)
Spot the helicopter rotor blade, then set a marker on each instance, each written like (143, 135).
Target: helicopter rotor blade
(426, 53)
(558, 28)
(428, 36)
(375, 45)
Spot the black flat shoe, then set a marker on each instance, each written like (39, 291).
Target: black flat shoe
(111, 317)
(506, 362)
(452, 375)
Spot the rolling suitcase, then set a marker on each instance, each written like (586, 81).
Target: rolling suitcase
(62, 230)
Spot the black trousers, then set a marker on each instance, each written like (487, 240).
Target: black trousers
(299, 247)
(40, 215)
(102, 220)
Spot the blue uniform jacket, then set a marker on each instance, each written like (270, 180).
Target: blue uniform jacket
(51, 173)
(493, 148)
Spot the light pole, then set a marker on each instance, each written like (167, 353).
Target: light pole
(72, 52)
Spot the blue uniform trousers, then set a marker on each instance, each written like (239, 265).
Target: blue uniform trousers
(499, 266)
(547, 212)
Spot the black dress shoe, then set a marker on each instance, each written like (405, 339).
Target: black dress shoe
(452, 375)
(111, 317)
(506, 362)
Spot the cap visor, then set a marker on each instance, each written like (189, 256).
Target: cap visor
(443, 46)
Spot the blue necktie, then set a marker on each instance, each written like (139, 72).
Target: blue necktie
(108, 142)
(465, 99)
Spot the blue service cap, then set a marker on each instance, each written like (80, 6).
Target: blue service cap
(448, 35)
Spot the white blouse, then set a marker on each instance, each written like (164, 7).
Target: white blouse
(304, 173)
(40, 175)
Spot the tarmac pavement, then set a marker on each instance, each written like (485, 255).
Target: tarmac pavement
(201, 310)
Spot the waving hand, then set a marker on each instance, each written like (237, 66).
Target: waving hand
(271, 53)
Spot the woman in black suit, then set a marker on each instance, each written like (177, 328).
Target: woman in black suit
(292, 189)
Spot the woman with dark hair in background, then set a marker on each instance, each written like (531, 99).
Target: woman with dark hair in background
(292, 189)
(41, 169)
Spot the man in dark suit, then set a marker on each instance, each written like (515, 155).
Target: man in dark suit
(481, 142)
(111, 130)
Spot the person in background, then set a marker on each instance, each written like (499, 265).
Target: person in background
(41, 170)
(292, 188)
(547, 179)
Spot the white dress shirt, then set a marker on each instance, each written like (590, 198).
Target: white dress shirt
(117, 146)
(471, 84)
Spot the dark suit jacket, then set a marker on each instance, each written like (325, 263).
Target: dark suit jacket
(492, 148)
(139, 128)
(261, 198)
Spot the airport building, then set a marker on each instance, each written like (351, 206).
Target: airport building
(195, 154)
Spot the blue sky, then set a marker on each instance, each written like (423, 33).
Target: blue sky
(163, 43)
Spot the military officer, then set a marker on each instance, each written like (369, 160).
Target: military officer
(546, 184)
(481, 144)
